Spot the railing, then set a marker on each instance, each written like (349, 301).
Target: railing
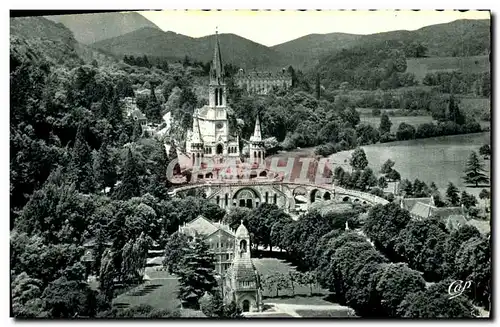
(331, 188)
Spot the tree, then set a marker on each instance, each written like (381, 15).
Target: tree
(485, 151)
(128, 270)
(153, 108)
(196, 274)
(468, 200)
(422, 245)
(358, 159)
(81, 163)
(484, 195)
(277, 281)
(457, 237)
(405, 132)
(394, 282)
(474, 172)
(473, 263)
(435, 302)
(104, 168)
(69, 299)
(129, 186)
(393, 175)
(383, 225)
(137, 131)
(452, 194)
(454, 113)
(387, 166)
(382, 183)
(366, 180)
(116, 112)
(25, 292)
(385, 124)
(318, 87)
(107, 274)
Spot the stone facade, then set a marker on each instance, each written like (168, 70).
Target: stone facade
(242, 281)
(255, 82)
(210, 136)
(219, 237)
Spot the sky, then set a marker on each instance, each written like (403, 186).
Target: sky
(274, 27)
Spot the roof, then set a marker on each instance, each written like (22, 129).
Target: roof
(243, 270)
(242, 231)
(205, 227)
(444, 212)
(455, 221)
(409, 203)
(421, 210)
(217, 69)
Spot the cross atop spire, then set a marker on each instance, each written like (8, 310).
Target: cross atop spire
(217, 69)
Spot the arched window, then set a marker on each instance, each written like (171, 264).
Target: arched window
(226, 200)
(275, 198)
(218, 200)
(220, 97)
(216, 97)
(267, 197)
(243, 246)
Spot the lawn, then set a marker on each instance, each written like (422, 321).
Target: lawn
(412, 120)
(159, 293)
(268, 266)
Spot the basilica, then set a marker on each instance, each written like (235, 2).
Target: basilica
(210, 137)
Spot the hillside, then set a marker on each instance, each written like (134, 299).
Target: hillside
(305, 51)
(38, 38)
(91, 28)
(372, 59)
(153, 42)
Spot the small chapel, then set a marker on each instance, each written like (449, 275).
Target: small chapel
(242, 281)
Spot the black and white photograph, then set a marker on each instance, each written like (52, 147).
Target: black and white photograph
(250, 164)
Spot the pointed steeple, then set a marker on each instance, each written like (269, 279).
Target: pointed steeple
(196, 129)
(257, 136)
(217, 69)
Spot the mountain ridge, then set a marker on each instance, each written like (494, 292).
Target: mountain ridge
(91, 28)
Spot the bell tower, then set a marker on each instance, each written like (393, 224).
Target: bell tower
(217, 86)
(257, 150)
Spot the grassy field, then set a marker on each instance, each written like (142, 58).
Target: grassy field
(158, 293)
(412, 120)
(421, 66)
(268, 266)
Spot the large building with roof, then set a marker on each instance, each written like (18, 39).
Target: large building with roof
(231, 248)
(262, 82)
(219, 237)
(424, 208)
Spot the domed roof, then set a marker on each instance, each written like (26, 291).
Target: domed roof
(242, 231)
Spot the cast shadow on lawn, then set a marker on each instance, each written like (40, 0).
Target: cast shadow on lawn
(146, 290)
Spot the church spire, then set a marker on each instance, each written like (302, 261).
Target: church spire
(196, 129)
(257, 136)
(217, 69)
